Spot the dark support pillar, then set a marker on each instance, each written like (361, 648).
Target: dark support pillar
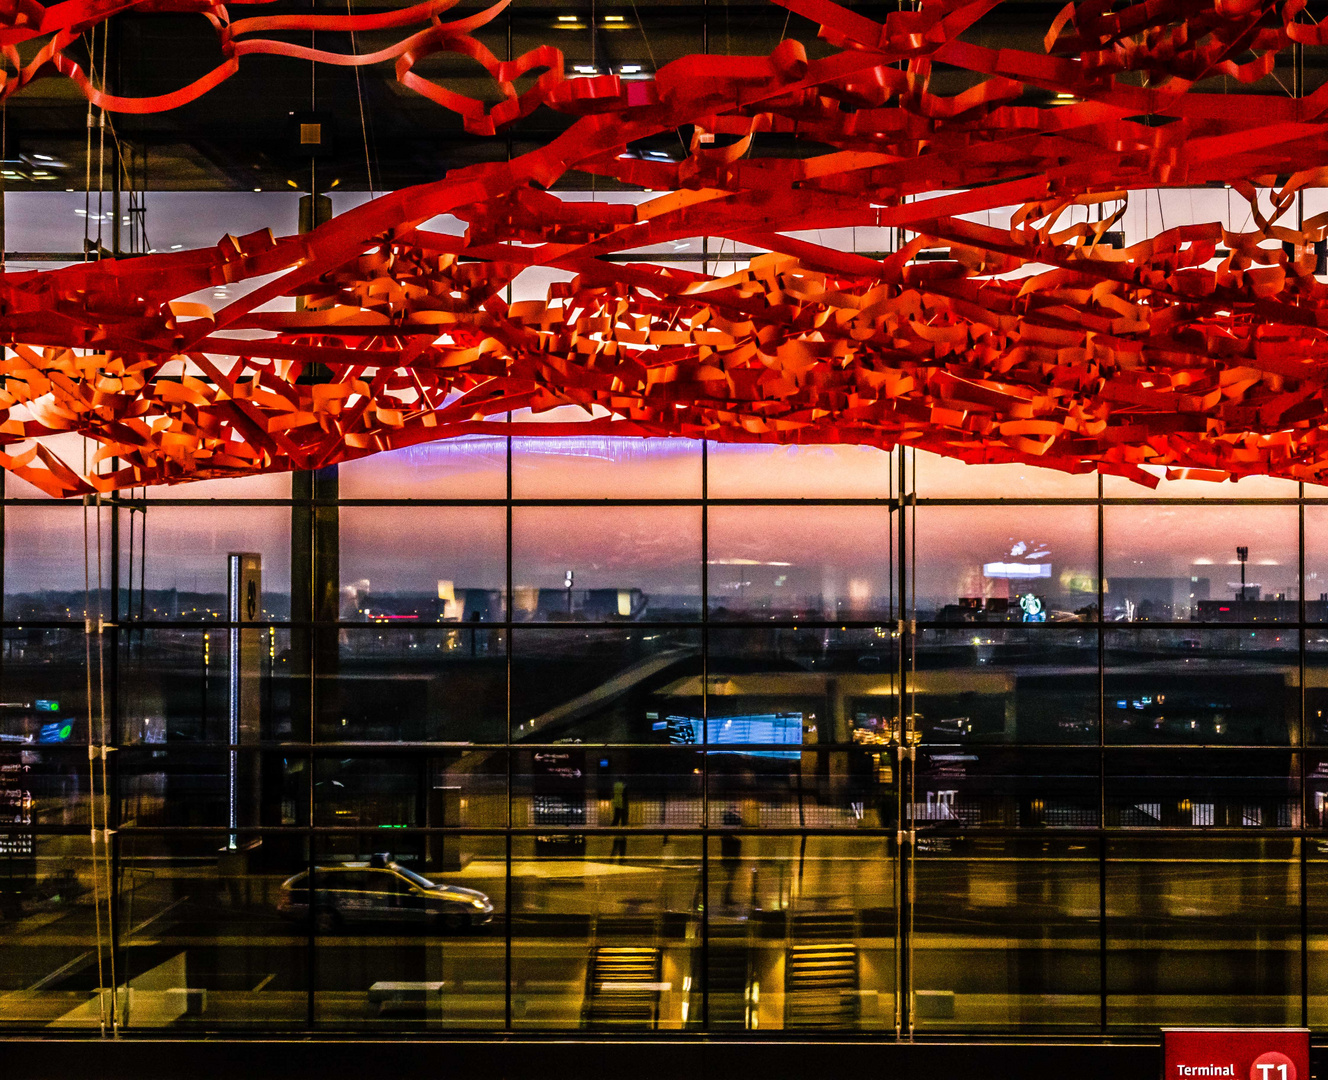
(315, 600)
(315, 569)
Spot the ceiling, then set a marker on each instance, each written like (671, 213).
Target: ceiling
(239, 137)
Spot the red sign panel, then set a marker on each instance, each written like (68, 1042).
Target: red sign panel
(1241, 1053)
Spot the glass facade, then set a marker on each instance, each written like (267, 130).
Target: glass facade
(533, 735)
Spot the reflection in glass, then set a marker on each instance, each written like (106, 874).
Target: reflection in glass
(467, 467)
(791, 562)
(45, 685)
(427, 684)
(184, 556)
(1316, 562)
(204, 942)
(771, 787)
(1007, 934)
(797, 685)
(1233, 789)
(43, 785)
(48, 950)
(589, 564)
(1205, 563)
(993, 684)
(606, 933)
(571, 786)
(946, 478)
(1248, 487)
(602, 467)
(801, 934)
(184, 787)
(1202, 686)
(1316, 902)
(958, 788)
(615, 685)
(1202, 931)
(762, 471)
(431, 564)
(174, 685)
(414, 790)
(1007, 564)
(45, 575)
(410, 930)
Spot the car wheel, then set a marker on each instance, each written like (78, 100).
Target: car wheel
(326, 920)
(455, 922)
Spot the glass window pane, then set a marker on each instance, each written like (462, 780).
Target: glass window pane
(600, 466)
(398, 684)
(48, 974)
(1202, 931)
(583, 787)
(421, 947)
(45, 683)
(605, 941)
(960, 788)
(1007, 935)
(185, 561)
(45, 785)
(1316, 901)
(773, 787)
(946, 478)
(1006, 684)
(624, 563)
(1178, 563)
(433, 564)
(1248, 487)
(206, 938)
(1234, 687)
(175, 686)
(467, 467)
(276, 485)
(1316, 562)
(411, 790)
(800, 562)
(45, 575)
(193, 788)
(1232, 789)
(602, 685)
(792, 686)
(1006, 564)
(801, 934)
(763, 471)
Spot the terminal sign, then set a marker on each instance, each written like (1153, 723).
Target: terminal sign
(1241, 1053)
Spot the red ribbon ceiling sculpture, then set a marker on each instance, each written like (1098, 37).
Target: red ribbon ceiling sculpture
(1198, 349)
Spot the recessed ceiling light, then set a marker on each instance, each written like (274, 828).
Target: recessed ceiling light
(584, 69)
(614, 18)
(567, 18)
(41, 157)
(258, 189)
(630, 69)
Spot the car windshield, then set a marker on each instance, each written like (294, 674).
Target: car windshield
(414, 878)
